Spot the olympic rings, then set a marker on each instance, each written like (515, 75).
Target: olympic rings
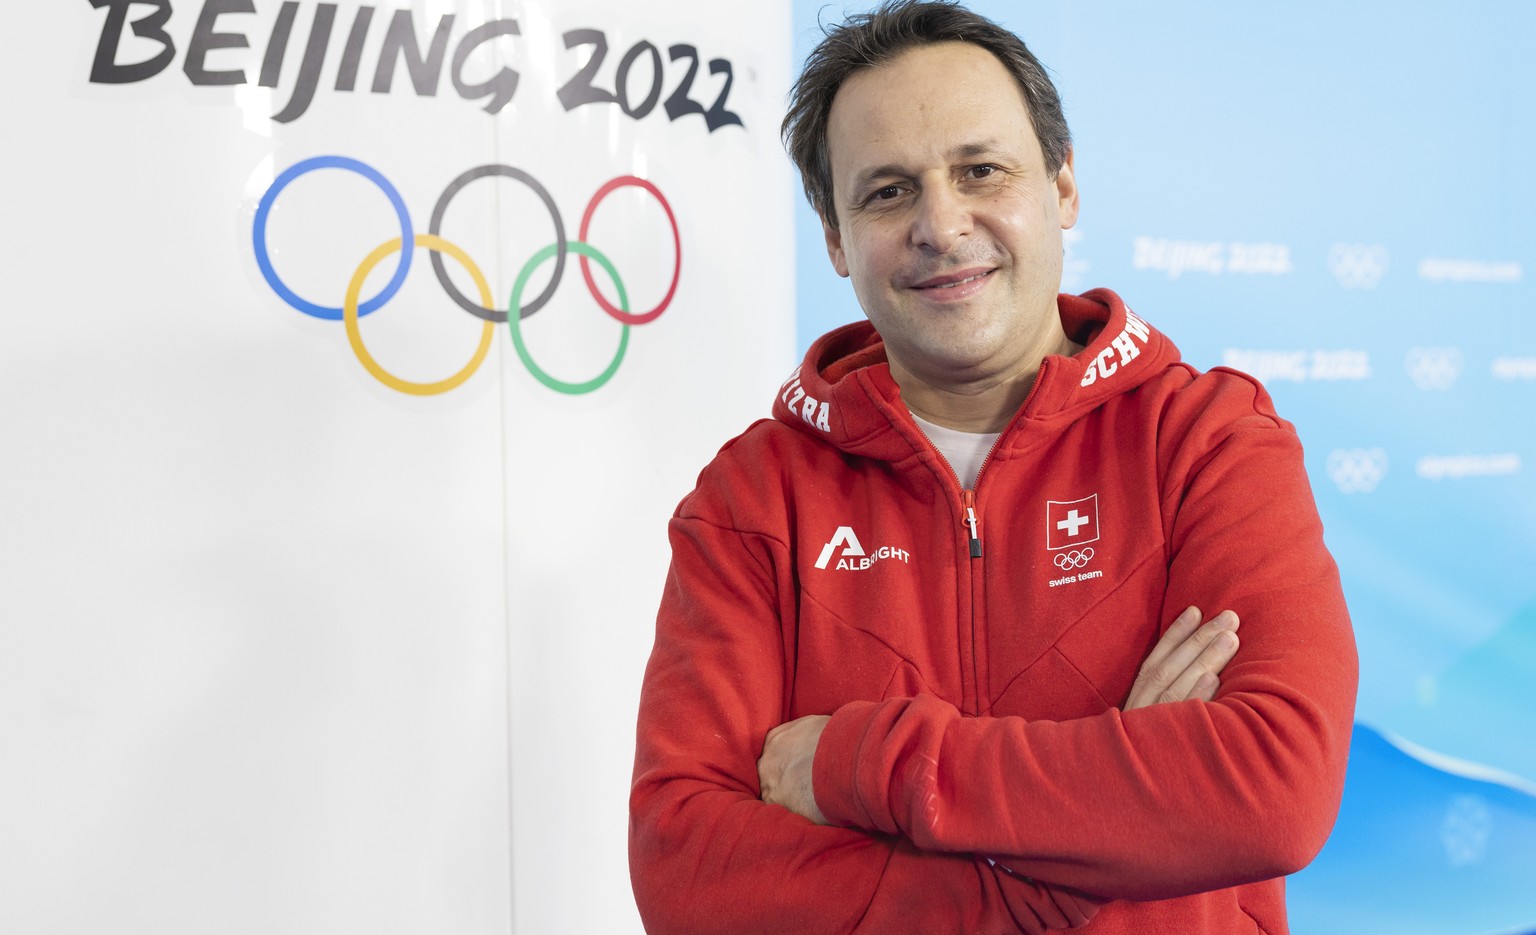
(353, 308)
(1074, 559)
(582, 250)
(264, 259)
(355, 337)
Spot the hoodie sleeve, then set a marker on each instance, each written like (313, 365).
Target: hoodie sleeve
(706, 855)
(1172, 799)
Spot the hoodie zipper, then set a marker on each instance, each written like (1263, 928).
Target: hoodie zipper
(972, 523)
(968, 518)
(968, 498)
(971, 520)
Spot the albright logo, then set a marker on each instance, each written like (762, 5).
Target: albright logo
(852, 556)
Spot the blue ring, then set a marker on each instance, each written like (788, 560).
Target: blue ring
(264, 261)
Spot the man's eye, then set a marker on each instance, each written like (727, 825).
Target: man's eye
(886, 193)
(981, 172)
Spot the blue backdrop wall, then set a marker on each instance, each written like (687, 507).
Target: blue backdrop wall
(1337, 198)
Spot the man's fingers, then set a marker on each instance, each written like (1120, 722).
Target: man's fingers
(1173, 653)
(1183, 625)
(1220, 646)
(1187, 652)
(1189, 649)
(785, 766)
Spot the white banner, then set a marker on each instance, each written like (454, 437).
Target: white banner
(325, 589)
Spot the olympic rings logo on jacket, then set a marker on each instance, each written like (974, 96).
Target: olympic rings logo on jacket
(353, 307)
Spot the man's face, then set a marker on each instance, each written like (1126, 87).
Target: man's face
(949, 224)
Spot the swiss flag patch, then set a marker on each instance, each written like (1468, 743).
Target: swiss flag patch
(1071, 523)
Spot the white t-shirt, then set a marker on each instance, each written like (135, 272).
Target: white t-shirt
(965, 451)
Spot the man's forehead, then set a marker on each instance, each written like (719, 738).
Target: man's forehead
(946, 101)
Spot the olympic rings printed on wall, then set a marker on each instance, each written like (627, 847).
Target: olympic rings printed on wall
(354, 307)
(1066, 561)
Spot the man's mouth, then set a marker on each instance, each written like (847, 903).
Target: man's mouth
(964, 277)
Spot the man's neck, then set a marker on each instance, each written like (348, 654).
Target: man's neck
(981, 405)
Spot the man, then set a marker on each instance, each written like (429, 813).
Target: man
(923, 662)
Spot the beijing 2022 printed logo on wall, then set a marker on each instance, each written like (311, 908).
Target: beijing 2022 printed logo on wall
(351, 307)
(243, 45)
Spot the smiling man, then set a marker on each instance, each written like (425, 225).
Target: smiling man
(929, 657)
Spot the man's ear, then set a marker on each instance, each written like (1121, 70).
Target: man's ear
(1066, 193)
(835, 248)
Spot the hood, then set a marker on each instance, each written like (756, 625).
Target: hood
(843, 391)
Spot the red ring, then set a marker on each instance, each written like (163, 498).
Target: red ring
(677, 241)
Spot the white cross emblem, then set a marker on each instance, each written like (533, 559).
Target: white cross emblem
(1072, 523)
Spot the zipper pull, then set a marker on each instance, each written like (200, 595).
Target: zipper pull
(969, 500)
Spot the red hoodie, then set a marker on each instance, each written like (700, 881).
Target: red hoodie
(977, 766)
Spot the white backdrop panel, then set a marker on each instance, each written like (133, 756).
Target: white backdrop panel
(263, 614)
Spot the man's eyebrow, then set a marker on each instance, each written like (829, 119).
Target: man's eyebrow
(892, 170)
(889, 170)
(972, 150)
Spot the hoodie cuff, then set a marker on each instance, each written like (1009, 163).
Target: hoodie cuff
(834, 769)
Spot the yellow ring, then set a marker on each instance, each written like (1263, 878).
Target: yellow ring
(355, 336)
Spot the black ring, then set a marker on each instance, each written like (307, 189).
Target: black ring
(472, 307)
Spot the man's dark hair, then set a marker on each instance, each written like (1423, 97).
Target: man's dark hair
(874, 38)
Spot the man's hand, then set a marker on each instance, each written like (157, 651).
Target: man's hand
(1187, 662)
(784, 769)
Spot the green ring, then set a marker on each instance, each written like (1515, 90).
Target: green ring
(514, 320)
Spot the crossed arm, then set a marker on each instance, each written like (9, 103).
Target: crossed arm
(1186, 663)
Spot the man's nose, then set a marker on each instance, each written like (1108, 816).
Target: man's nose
(942, 219)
